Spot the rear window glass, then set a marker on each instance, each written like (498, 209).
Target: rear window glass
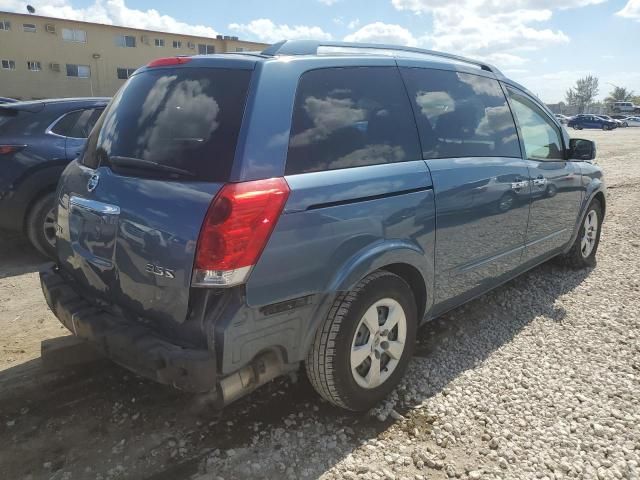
(186, 119)
(351, 117)
(461, 115)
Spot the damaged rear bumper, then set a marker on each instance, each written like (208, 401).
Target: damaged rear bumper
(130, 344)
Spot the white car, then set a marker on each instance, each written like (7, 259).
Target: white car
(624, 107)
(633, 121)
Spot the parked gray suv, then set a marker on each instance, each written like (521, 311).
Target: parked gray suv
(235, 216)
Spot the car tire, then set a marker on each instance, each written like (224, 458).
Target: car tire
(353, 340)
(40, 225)
(584, 249)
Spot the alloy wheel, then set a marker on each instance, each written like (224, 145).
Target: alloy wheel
(589, 235)
(49, 227)
(378, 343)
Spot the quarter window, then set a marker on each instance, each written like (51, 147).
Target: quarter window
(74, 35)
(351, 117)
(159, 42)
(34, 66)
(124, 73)
(77, 124)
(5, 25)
(461, 115)
(80, 71)
(540, 136)
(8, 64)
(128, 41)
(29, 27)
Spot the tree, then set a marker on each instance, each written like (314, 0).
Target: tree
(583, 93)
(619, 94)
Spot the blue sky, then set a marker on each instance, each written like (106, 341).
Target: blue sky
(544, 44)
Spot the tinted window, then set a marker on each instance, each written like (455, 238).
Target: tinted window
(461, 115)
(77, 124)
(186, 118)
(66, 123)
(350, 117)
(540, 136)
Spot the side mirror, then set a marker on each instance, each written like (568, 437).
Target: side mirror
(580, 149)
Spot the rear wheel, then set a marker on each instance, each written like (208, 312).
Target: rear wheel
(583, 252)
(41, 225)
(361, 351)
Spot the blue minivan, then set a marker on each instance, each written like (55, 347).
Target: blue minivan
(236, 216)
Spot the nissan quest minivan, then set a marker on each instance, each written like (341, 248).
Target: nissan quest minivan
(236, 216)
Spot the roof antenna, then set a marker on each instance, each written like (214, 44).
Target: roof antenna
(30, 9)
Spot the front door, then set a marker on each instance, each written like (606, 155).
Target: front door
(555, 182)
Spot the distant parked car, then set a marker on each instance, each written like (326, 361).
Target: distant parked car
(591, 121)
(7, 100)
(633, 121)
(625, 107)
(622, 118)
(620, 123)
(563, 119)
(37, 141)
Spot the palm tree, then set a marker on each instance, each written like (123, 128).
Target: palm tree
(619, 94)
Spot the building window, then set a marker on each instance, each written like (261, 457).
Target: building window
(159, 42)
(239, 49)
(177, 44)
(74, 35)
(124, 73)
(5, 25)
(34, 66)
(126, 41)
(29, 27)
(8, 65)
(80, 71)
(206, 49)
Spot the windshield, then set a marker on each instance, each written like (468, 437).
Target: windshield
(186, 119)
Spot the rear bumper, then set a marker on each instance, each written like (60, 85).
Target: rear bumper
(130, 344)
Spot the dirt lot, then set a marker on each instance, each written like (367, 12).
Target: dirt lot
(538, 379)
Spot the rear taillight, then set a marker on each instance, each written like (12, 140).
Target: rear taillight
(7, 149)
(236, 229)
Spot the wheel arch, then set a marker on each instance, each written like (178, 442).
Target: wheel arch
(403, 258)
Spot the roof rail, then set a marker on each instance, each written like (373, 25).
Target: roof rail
(312, 47)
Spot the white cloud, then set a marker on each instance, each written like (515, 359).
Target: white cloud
(353, 24)
(329, 2)
(631, 10)
(379, 32)
(265, 30)
(492, 6)
(486, 28)
(112, 12)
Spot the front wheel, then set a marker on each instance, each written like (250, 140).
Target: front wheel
(362, 349)
(583, 251)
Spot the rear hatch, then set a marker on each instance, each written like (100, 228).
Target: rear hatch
(131, 209)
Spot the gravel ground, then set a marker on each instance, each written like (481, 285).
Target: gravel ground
(538, 379)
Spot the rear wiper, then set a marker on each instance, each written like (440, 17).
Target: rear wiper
(141, 164)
